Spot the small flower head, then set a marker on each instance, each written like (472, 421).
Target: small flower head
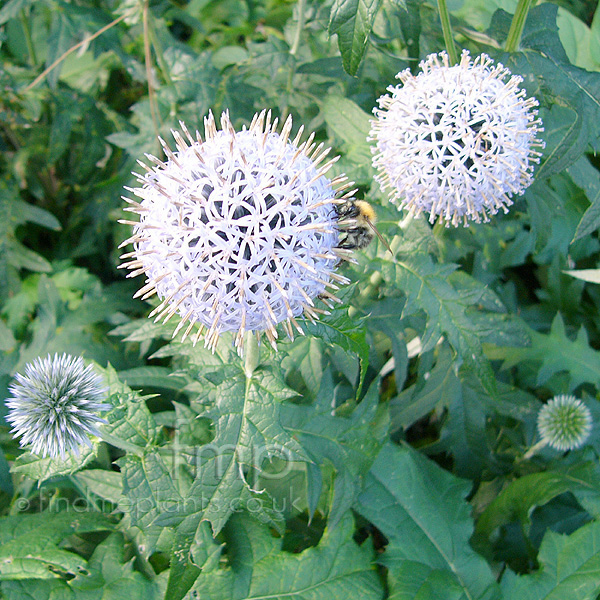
(237, 232)
(456, 141)
(54, 405)
(564, 422)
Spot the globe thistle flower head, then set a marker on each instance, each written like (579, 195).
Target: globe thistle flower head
(237, 232)
(54, 405)
(456, 142)
(564, 422)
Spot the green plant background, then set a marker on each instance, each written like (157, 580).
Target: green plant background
(393, 434)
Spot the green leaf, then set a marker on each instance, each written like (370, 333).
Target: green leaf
(587, 177)
(108, 485)
(129, 419)
(556, 353)
(569, 568)
(341, 330)
(248, 432)
(518, 499)
(148, 487)
(349, 443)
(12, 9)
(157, 377)
(352, 20)
(332, 570)
(427, 287)
(111, 577)
(428, 533)
(29, 543)
(350, 125)
(183, 572)
(41, 469)
(572, 94)
(106, 576)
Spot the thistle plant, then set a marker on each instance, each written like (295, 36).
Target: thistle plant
(54, 406)
(564, 423)
(456, 142)
(238, 231)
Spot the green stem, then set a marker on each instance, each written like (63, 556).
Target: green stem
(517, 25)
(28, 40)
(301, 8)
(284, 107)
(251, 354)
(447, 30)
(158, 51)
(122, 444)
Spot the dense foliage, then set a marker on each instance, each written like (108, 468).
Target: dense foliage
(392, 451)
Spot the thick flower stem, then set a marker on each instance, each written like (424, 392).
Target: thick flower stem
(517, 25)
(447, 30)
(251, 354)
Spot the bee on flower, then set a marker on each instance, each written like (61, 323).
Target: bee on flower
(239, 231)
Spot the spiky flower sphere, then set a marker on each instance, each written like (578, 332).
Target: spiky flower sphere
(456, 141)
(237, 232)
(54, 405)
(564, 422)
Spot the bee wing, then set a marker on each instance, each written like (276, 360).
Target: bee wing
(381, 238)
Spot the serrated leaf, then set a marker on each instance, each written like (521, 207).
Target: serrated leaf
(41, 469)
(335, 569)
(341, 330)
(29, 543)
(427, 288)
(587, 177)
(518, 499)
(110, 575)
(571, 92)
(129, 419)
(352, 20)
(428, 533)
(148, 487)
(349, 443)
(246, 414)
(160, 377)
(106, 576)
(556, 353)
(569, 568)
(439, 388)
(108, 485)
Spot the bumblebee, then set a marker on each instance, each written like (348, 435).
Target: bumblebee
(356, 222)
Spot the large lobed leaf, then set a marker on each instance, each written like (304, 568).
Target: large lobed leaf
(421, 510)
(570, 568)
(336, 569)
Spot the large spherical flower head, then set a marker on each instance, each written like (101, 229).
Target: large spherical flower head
(564, 422)
(237, 232)
(55, 405)
(456, 141)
